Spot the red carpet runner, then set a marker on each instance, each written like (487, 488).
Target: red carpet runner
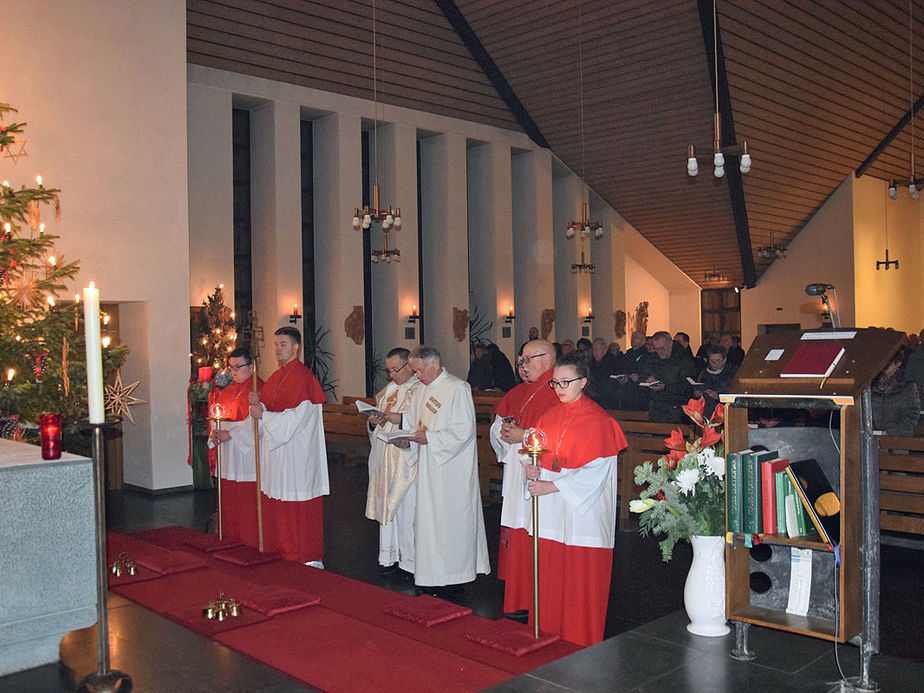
(344, 642)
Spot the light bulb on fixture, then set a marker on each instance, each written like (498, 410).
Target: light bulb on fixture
(598, 233)
(585, 232)
(569, 233)
(893, 190)
(719, 162)
(397, 223)
(357, 222)
(367, 221)
(913, 190)
(692, 165)
(744, 165)
(374, 258)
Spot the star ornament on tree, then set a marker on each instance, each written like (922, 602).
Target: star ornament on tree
(117, 397)
(15, 149)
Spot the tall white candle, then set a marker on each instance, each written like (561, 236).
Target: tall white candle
(94, 354)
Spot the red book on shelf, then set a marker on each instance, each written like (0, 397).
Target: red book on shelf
(768, 470)
(813, 359)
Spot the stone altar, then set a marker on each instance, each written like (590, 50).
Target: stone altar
(47, 553)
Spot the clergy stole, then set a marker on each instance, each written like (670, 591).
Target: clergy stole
(392, 476)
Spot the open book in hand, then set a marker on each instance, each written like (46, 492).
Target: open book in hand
(643, 383)
(694, 383)
(394, 436)
(368, 409)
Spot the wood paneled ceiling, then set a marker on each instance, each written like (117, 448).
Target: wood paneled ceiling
(814, 87)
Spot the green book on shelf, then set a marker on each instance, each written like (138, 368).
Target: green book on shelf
(734, 490)
(801, 521)
(779, 480)
(752, 499)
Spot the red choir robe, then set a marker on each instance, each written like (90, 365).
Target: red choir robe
(578, 523)
(525, 403)
(238, 478)
(294, 528)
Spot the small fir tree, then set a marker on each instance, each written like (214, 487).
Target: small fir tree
(214, 331)
(42, 350)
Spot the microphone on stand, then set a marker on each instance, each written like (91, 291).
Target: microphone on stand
(819, 289)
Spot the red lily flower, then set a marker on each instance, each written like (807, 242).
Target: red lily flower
(718, 416)
(710, 437)
(676, 441)
(694, 409)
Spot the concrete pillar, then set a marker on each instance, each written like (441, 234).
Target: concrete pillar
(211, 193)
(276, 206)
(395, 285)
(533, 277)
(338, 248)
(490, 233)
(608, 286)
(445, 247)
(570, 303)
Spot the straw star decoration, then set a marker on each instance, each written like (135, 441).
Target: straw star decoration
(15, 149)
(118, 397)
(24, 291)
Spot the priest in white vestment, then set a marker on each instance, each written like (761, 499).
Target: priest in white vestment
(392, 496)
(450, 543)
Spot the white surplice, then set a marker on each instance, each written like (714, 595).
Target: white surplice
(391, 499)
(450, 543)
(583, 512)
(293, 455)
(517, 509)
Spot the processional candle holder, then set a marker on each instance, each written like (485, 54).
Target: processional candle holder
(534, 446)
(221, 608)
(217, 414)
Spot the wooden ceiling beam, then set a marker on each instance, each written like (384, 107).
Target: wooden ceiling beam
(716, 59)
(491, 70)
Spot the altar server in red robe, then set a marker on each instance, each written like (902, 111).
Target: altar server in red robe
(576, 483)
(293, 456)
(518, 410)
(238, 469)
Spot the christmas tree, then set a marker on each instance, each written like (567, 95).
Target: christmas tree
(214, 333)
(42, 352)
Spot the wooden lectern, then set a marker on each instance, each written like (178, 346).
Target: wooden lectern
(828, 419)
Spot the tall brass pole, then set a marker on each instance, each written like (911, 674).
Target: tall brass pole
(217, 420)
(534, 460)
(256, 455)
(532, 446)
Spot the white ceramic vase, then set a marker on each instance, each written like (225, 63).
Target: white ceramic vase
(704, 590)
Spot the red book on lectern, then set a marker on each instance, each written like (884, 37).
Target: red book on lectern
(813, 359)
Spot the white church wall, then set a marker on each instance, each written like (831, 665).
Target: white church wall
(822, 252)
(102, 87)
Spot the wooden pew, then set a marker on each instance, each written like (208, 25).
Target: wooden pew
(901, 484)
(646, 444)
(345, 427)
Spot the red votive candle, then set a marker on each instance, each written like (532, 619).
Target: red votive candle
(50, 431)
(205, 374)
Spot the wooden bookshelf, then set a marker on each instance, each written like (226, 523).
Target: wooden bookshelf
(758, 385)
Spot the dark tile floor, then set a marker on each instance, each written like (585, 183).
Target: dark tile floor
(647, 646)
